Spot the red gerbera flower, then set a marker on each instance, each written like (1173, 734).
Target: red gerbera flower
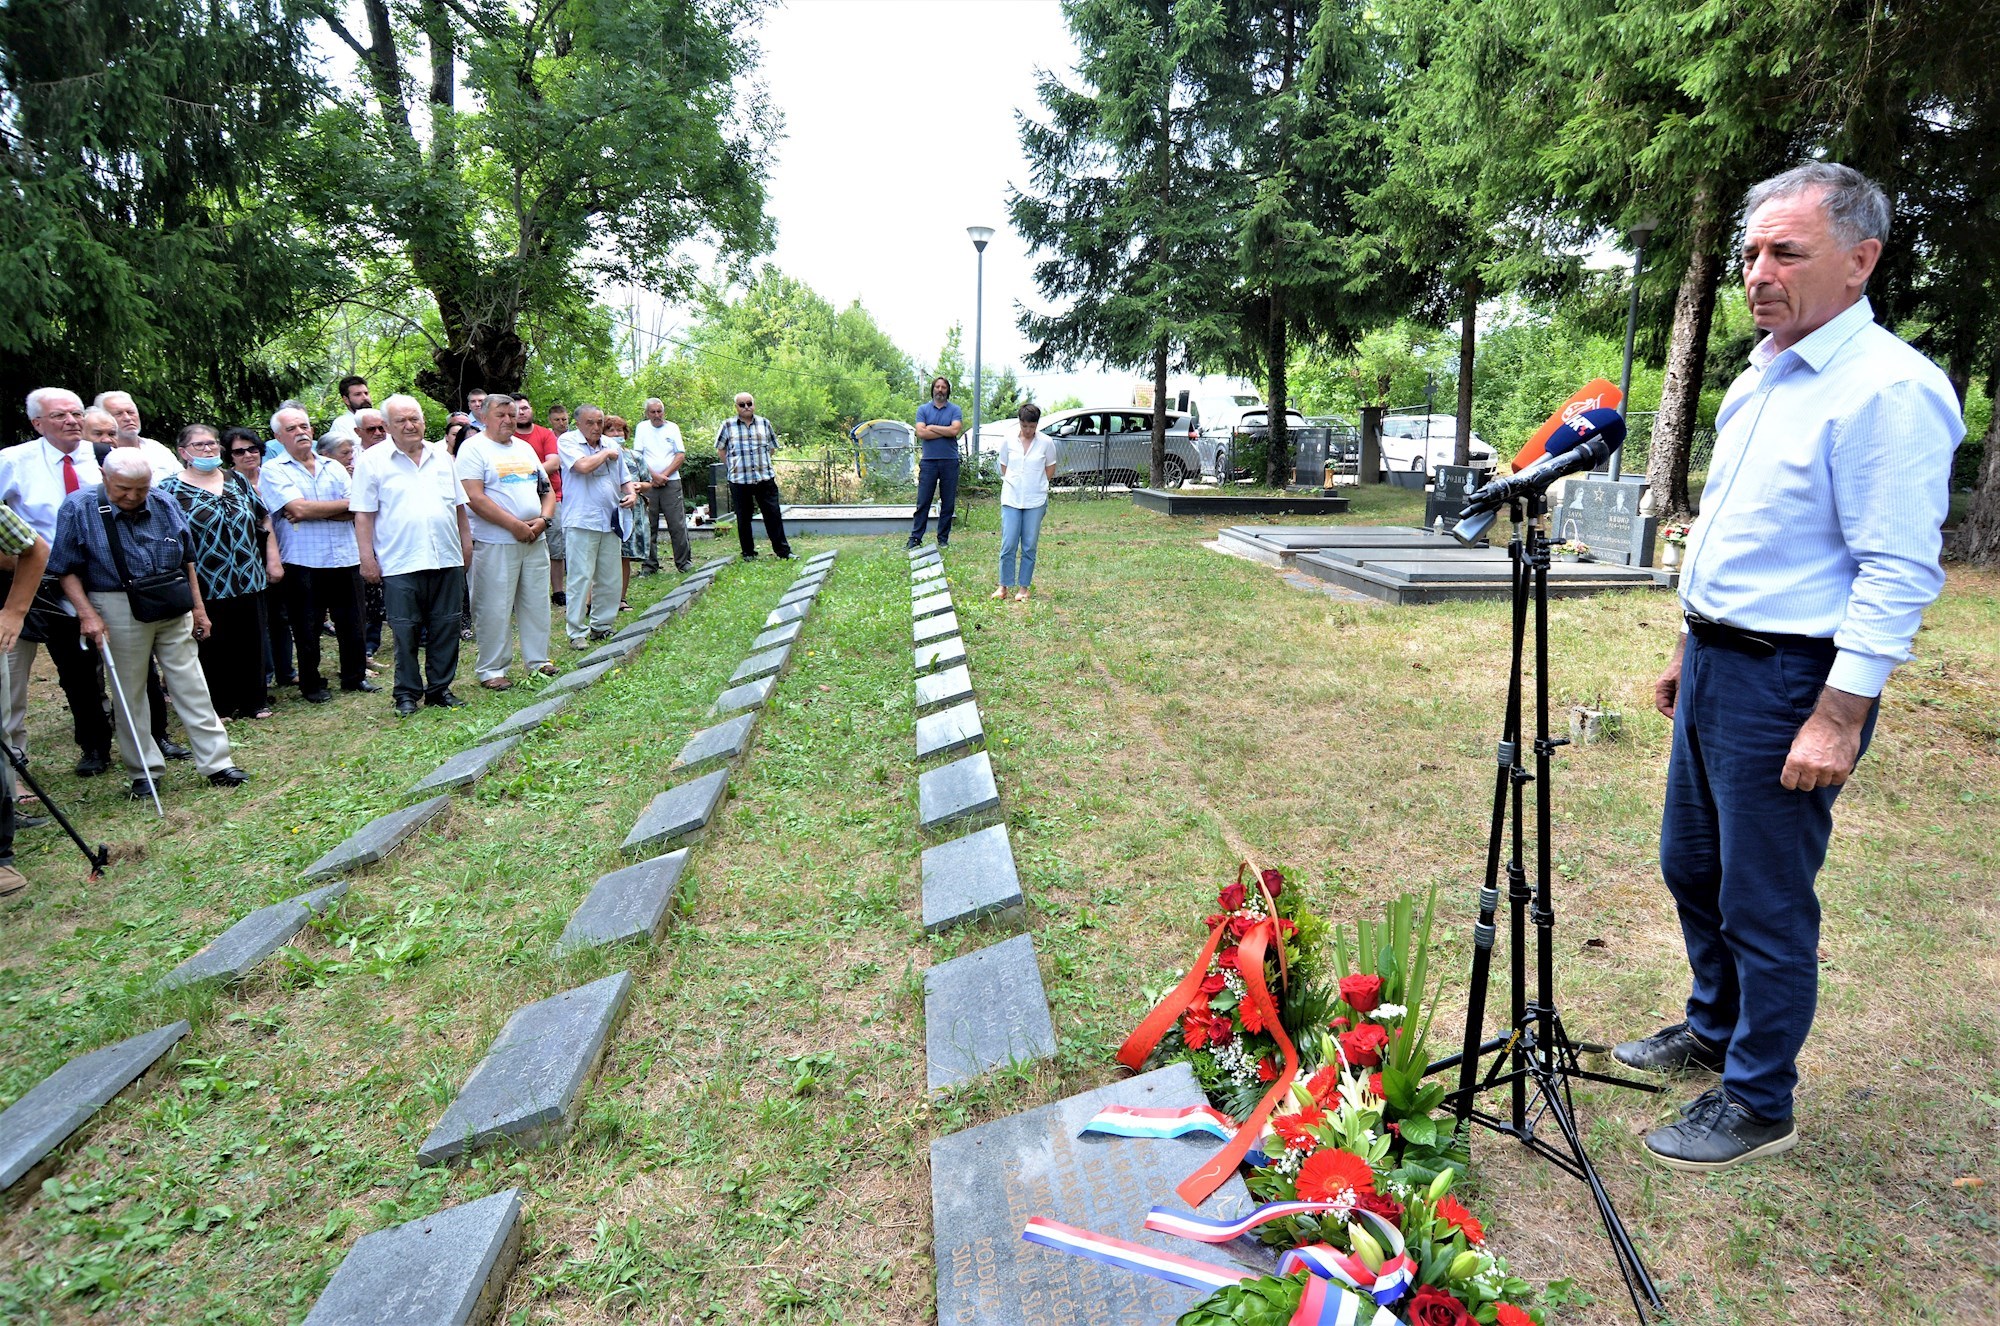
(1266, 1071)
(1325, 1084)
(1455, 1215)
(1194, 1030)
(1294, 1128)
(1506, 1314)
(1330, 1171)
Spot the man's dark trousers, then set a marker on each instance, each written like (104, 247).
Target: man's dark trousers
(312, 593)
(939, 477)
(423, 609)
(1740, 853)
(764, 495)
(80, 673)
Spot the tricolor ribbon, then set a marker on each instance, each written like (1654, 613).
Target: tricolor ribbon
(1160, 1122)
(1385, 1286)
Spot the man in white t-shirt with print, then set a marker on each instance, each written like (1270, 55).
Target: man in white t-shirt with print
(658, 441)
(513, 507)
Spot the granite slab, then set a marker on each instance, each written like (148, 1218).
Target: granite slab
(805, 594)
(970, 878)
(528, 1088)
(936, 628)
(930, 605)
(633, 903)
(750, 695)
(679, 812)
(960, 790)
(811, 578)
(924, 550)
(984, 1011)
(468, 766)
(716, 563)
(724, 741)
(954, 729)
(787, 612)
(376, 839)
(940, 654)
(530, 717)
(769, 663)
(948, 687)
(446, 1269)
(635, 632)
(577, 680)
(778, 635)
(987, 1181)
(54, 1108)
(920, 589)
(254, 938)
(613, 651)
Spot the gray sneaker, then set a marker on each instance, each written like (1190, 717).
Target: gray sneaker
(1674, 1049)
(1715, 1133)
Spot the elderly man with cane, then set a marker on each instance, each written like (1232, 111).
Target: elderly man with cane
(123, 557)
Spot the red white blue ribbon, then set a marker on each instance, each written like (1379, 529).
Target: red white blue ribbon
(1131, 1256)
(1160, 1122)
(1164, 1220)
(1385, 1286)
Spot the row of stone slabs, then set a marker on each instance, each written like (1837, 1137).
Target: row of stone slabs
(987, 1008)
(51, 1112)
(451, 1267)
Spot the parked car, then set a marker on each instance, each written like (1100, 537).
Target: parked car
(1115, 445)
(1405, 445)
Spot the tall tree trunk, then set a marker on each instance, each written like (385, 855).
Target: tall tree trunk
(1468, 326)
(1278, 448)
(1687, 356)
(1978, 539)
(1159, 465)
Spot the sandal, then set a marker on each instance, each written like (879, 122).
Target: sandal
(998, 594)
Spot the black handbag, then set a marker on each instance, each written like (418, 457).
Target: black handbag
(154, 598)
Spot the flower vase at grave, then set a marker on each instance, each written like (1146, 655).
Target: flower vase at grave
(1670, 557)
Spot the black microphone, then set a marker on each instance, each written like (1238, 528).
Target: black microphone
(1583, 443)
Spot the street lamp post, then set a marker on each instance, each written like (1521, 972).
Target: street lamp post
(1639, 234)
(980, 236)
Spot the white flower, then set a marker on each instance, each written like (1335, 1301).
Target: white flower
(1388, 1012)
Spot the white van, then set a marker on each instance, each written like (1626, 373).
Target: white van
(1405, 446)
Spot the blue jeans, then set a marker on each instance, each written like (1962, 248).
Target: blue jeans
(940, 477)
(1020, 531)
(1740, 854)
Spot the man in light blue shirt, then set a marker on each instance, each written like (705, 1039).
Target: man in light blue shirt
(1806, 578)
(939, 423)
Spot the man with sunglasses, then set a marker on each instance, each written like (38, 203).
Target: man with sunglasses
(745, 444)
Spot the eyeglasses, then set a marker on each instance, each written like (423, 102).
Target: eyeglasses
(246, 451)
(746, 405)
(204, 444)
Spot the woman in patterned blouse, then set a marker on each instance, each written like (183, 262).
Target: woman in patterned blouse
(233, 565)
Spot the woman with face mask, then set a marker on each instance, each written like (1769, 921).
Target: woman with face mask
(234, 561)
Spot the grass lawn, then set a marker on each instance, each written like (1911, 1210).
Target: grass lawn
(755, 1146)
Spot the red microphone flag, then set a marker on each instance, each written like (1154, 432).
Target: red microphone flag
(1598, 394)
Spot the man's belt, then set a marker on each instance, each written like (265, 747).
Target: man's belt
(1757, 644)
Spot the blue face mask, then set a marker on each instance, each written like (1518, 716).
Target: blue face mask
(206, 464)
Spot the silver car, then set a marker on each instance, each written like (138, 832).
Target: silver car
(1115, 445)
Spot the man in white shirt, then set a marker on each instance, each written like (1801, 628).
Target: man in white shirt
(354, 392)
(34, 478)
(307, 496)
(513, 505)
(411, 529)
(596, 493)
(130, 432)
(658, 441)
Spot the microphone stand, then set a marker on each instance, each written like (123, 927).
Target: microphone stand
(1535, 1058)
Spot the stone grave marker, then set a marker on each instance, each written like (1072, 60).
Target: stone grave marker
(930, 604)
(632, 903)
(679, 812)
(987, 1181)
(1450, 486)
(929, 572)
(468, 766)
(447, 1269)
(812, 577)
(923, 589)
(254, 938)
(787, 612)
(376, 839)
(528, 1088)
(532, 716)
(926, 550)
(940, 654)
(716, 563)
(724, 741)
(613, 651)
(635, 632)
(769, 663)
(969, 878)
(947, 687)
(984, 1011)
(750, 695)
(778, 635)
(956, 791)
(954, 729)
(937, 628)
(1604, 513)
(580, 679)
(63, 1102)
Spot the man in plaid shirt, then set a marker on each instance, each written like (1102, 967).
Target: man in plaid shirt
(29, 556)
(745, 445)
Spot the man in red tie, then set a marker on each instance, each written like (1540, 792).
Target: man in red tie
(35, 476)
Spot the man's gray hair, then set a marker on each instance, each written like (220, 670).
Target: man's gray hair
(105, 396)
(331, 443)
(129, 463)
(402, 400)
(585, 406)
(101, 413)
(494, 398)
(1855, 206)
(40, 395)
(288, 407)
(651, 401)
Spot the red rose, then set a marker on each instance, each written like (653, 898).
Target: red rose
(1330, 1171)
(1375, 1085)
(1199, 1004)
(1240, 926)
(1452, 1213)
(1274, 883)
(1266, 1071)
(1212, 983)
(1336, 1024)
(1214, 919)
(1506, 1314)
(1231, 898)
(1227, 958)
(1325, 1084)
(1433, 1307)
(1363, 1046)
(1382, 1205)
(1362, 993)
(1286, 927)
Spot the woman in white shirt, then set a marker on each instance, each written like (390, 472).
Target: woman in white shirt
(1027, 463)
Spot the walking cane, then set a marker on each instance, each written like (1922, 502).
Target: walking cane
(111, 671)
